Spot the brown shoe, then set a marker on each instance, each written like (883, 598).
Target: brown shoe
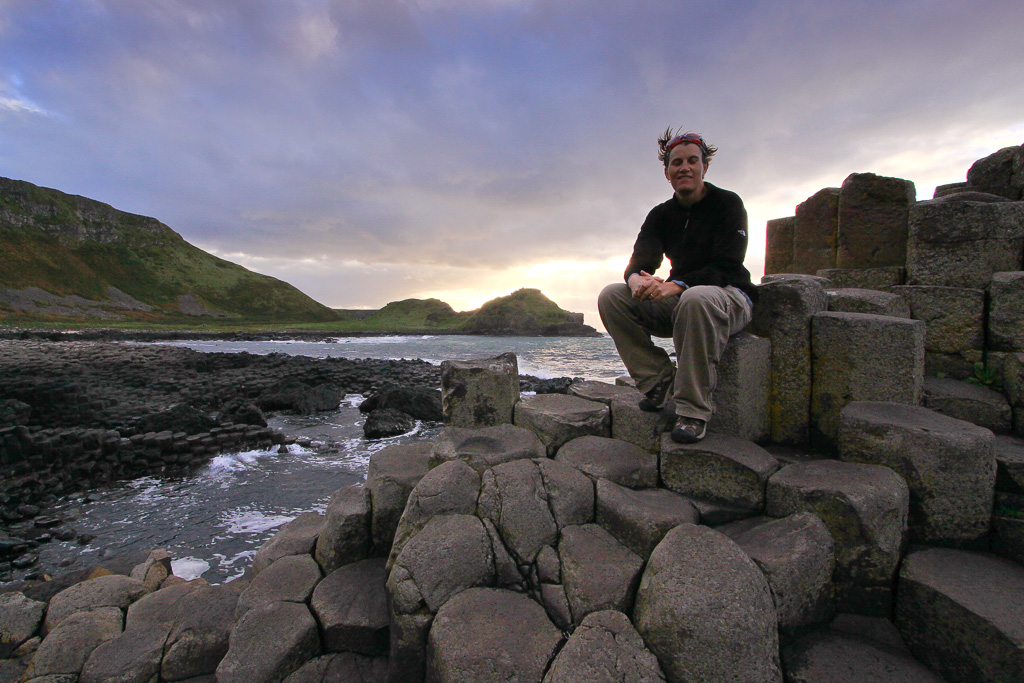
(689, 430)
(656, 397)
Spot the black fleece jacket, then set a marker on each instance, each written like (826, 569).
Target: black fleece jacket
(705, 242)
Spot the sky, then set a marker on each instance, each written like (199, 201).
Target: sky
(369, 151)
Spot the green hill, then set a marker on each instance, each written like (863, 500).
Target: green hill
(66, 257)
(524, 312)
(73, 261)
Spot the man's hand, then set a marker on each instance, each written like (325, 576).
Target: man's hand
(646, 286)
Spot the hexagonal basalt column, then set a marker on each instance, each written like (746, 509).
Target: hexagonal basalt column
(783, 313)
(479, 393)
(720, 469)
(488, 634)
(948, 464)
(599, 457)
(705, 610)
(797, 555)
(862, 357)
(640, 519)
(557, 418)
(958, 243)
(741, 396)
(962, 614)
(1006, 311)
(872, 230)
(865, 510)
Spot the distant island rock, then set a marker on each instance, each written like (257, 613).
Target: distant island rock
(69, 260)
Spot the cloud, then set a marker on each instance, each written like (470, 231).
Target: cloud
(469, 141)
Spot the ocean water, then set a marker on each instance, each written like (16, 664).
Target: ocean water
(587, 357)
(214, 520)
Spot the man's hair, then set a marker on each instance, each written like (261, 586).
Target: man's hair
(668, 140)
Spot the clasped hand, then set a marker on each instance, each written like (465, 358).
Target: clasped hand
(646, 286)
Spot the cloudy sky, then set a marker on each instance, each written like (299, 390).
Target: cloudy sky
(374, 150)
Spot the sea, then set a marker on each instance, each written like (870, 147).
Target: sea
(213, 520)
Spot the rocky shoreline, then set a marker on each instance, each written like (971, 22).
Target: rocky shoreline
(77, 415)
(80, 415)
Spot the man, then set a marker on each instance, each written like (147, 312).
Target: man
(706, 298)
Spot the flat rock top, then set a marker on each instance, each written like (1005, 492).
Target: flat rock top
(559, 404)
(1009, 449)
(944, 387)
(742, 451)
(601, 391)
(836, 475)
(988, 586)
(848, 659)
(911, 418)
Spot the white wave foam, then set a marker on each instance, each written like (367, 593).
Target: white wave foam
(242, 521)
(397, 339)
(189, 568)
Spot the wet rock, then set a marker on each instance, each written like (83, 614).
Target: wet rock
(294, 396)
(179, 418)
(385, 422)
(243, 412)
(419, 403)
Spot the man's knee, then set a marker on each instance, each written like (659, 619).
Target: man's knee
(699, 296)
(612, 293)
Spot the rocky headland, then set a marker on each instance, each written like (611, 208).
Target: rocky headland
(855, 514)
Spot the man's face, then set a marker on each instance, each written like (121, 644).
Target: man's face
(685, 171)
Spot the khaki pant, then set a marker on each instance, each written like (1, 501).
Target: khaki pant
(700, 322)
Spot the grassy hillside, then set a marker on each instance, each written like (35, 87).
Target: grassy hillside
(68, 261)
(73, 246)
(523, 312)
